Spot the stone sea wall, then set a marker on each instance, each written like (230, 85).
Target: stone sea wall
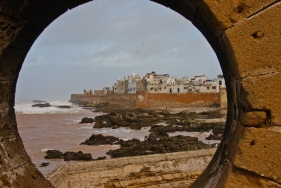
(142, 99)
(173, 169)
(180, 100)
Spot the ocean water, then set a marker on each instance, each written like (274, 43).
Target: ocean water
(42, 129)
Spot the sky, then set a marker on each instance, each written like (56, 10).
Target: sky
(91, 46)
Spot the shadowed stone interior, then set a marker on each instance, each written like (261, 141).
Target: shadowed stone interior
(246, 38)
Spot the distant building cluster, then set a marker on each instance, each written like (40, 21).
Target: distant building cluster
(163, 83)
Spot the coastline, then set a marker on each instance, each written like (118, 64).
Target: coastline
(69, 134)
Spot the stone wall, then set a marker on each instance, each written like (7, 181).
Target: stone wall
(160, 170)
(181, 100)
(89, 99)
(144, 100)
(125, 100)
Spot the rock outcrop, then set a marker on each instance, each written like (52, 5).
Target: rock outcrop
(67, 156)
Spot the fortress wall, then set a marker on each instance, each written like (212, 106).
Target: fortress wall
(185, 98)
(164, 169)
(144, 100)
(90, 99)
(125, 100)
(149, 100)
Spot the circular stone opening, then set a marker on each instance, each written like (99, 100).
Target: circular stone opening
(249, 62)
(106, 40)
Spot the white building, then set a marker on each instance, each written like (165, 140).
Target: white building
(159, 83)
(163, 83)
(106, 90)
(135, 83)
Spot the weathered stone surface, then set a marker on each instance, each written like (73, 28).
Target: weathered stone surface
(237, 177)
(255, 42)
(254, 119)
(258, 152)
(12, 154)
(134, 171)
(228, 13)
(25, 176)
(263, 93)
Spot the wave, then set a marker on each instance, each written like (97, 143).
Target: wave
(112, 131)
(25, 107)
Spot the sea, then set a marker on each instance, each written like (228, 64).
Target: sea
(49, 128)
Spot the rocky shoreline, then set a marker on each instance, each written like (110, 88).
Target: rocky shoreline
(158, 140)
(161, 122)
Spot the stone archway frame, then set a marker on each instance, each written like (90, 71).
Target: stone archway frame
(246, 37)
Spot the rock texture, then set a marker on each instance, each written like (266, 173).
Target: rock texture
(245, 36)
(172, 170)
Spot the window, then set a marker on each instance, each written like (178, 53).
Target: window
(208, 88)
(220, 82)
(185, 88)
(214, 87)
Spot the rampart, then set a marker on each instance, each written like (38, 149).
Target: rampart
(89, 99)
(181, 99)
(160, 170)
(144, 100)
(125, 100)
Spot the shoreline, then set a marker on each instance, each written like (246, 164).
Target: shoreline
(65, 125)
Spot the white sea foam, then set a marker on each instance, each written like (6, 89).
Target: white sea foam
(25, 107)
(86, 127)
(45, 149)
(112, 131)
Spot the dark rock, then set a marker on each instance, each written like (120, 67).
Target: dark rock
(67, 156)
(155, 144)
(217, 128)
(98, 124)
(214, 137)
(44, 164)
(100, 158)
(41, 105)
(135, 126)
(139, 118)
(54, 154)
(63, 106)
(87, 120)
(99, 139)
(77, 156)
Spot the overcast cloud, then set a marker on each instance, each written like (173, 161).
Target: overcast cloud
(89, 47)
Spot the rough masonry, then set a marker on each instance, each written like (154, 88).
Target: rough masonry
(245, 35)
